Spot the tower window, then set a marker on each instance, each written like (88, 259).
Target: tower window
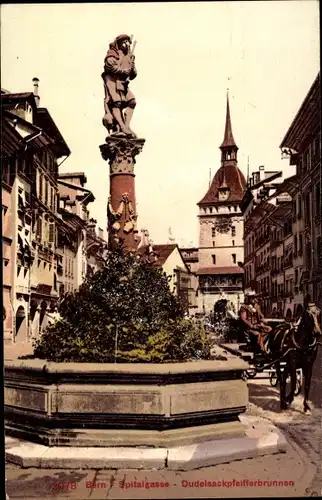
(214, 259)
(233, 231)
(234, 258)
(233, 243)
(210, 210)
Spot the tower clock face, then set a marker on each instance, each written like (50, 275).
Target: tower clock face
(223, 225)
(223, 194)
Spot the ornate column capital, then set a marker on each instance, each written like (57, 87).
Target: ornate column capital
(121, 152)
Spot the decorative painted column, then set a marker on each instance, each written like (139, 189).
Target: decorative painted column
(122, 144)
(121, 206)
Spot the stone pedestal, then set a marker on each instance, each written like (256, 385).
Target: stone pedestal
(102, 404)
(120, 151)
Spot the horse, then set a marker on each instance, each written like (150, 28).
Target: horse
(296, 345)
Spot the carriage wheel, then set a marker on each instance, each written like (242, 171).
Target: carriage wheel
(273, 379)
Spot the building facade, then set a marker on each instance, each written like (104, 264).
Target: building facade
(190, 257)
(282, 221)
(44, 242)
(221, 246)
(34, 195)
(302, 144)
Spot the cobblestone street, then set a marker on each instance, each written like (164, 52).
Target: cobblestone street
(300, 464)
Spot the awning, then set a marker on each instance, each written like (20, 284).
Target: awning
(290, 186)
(220, 270)
(281, 211)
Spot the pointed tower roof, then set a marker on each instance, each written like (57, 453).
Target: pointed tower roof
(228, 176)
(229, 140)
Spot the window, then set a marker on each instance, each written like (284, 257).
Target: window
(300, 244)
(318, 200)
(307, 208)
(41, 186)
(299, 207)
(233, 231)
(308, 159)
(214, 259)
(319, 250)
(5, 170)
(308, 254)
(51, 232)
(46, 191)
(234, 258)
(295, 246)
(213, 231)
(233, 243)
(51, 198)
(39, 229)
(210, 210)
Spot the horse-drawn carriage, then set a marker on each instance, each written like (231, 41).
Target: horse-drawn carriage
(292, 351)
(260, 361)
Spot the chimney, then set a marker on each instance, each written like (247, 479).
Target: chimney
(35, 82)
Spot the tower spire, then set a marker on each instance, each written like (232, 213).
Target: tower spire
(229, 141)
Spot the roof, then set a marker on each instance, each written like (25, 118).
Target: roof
(11, 98)
(260, 212)
(37, 139)
(234, 179)
(229, 141)
(306, 120)
(45, 121)
(72, 175)
(163, 252)
(281, 211)
(220, 270)
(11, 140)
(72, 221)
(41, 118)
(88, 195)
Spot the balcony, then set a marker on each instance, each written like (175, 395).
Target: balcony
(261, 240)
(275, 243)
(263, 268)
(288, 262)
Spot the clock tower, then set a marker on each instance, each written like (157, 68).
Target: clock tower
(221, 230)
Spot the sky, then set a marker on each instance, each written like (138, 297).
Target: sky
(187, 55)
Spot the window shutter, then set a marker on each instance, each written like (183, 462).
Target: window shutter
(39, 229)
(51, 232)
